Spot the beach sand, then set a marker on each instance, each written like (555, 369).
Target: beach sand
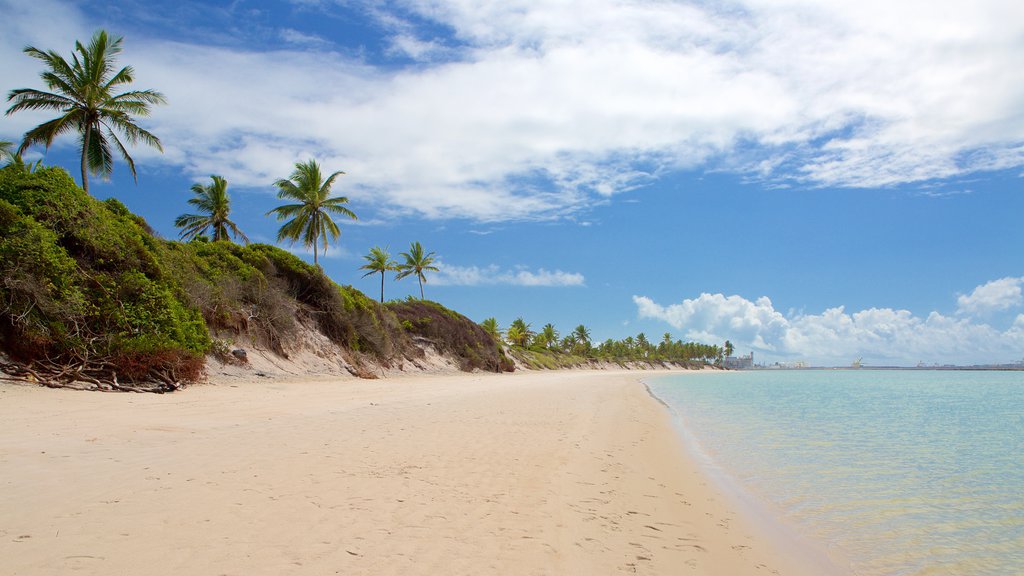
(568, 472)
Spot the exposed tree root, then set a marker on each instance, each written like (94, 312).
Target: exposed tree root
(85, 375)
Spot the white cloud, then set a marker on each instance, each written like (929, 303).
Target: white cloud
(452, 275)
(536, 110)
(994, 296)
(836, 337)
(293, 36)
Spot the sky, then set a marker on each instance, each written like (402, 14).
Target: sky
(813, 180)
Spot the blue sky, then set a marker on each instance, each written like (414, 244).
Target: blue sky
(815, 181)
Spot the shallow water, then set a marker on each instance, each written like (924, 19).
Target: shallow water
(901, 472)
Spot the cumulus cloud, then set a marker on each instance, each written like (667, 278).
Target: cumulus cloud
(991, 297)
(837, 336)
(452, 275)
(527, 110)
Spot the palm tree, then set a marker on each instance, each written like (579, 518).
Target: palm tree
(378, 260)
(519, 333)
(581, 336)
(642, 344)
(212, 200)
(84, 92)
(416, 263)
(729, 349)
(311, 216)
(548, 335)
(490, 325)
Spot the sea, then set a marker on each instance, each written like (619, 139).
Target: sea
(894, 472)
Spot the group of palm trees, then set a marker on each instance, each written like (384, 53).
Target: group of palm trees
(308, 219)
(578, 342)
(84, 91)
(520, 334)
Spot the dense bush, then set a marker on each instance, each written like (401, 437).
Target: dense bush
(83, 284)
(89, 292)
(452, 333)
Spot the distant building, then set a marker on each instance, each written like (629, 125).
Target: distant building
(739, 362)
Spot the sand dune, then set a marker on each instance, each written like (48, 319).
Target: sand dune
(537, 473)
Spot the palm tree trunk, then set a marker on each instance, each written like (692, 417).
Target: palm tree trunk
(85, 152)
(421, 288)
(381, 286)
(315, 248)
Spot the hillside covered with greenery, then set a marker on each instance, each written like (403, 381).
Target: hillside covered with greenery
(90, 294)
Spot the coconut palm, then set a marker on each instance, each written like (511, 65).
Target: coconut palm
(582, 337)
(311, 216)
(519, 333)
(84, 92)
(378, 260)
(548, 335)
(490, 325)
(416, 262)
(214, 204)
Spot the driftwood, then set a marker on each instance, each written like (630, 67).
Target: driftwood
(83, 374)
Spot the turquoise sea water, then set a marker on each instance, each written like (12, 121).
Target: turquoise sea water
(899, 472)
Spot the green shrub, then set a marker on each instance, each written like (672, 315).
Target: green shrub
(84, 281)
(451, 333)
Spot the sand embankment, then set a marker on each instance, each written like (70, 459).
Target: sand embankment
(537, 473)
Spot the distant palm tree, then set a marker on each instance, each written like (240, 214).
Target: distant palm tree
(84, 93)
(416, 262)
(311, 217)
(519, 333)
(548, 335)
(490, 325)
(729, 348)
(214, 204)
(582, 336)
(378, 260)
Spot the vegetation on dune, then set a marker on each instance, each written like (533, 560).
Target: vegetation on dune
(452, 333)
(84, 93)
(85, 294)
(89, 294)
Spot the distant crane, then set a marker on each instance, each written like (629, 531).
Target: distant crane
(857, 363)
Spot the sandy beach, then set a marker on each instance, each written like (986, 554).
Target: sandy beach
(570, 472)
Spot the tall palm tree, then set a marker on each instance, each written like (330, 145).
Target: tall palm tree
(311, 216)
(213, 201)
(416, 262)
(378, 260)
(84, 92)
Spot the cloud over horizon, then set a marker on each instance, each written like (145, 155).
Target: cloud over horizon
(882, 336)
(524, 110)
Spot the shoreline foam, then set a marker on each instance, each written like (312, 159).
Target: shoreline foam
(536, 473)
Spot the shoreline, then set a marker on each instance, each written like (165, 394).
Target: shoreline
(769, 523)
(534, 473)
